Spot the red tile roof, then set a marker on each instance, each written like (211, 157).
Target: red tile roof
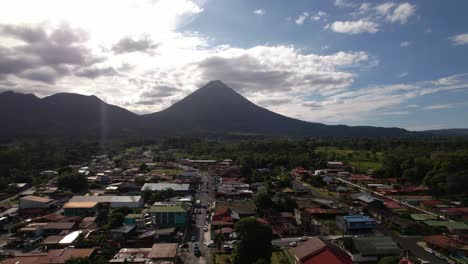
(443, 241)
(315, 250)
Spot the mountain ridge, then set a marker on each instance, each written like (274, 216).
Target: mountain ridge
(213, 108)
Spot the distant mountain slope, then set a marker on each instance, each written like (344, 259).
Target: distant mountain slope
(449, 132)
(212, 109)
(217, 108)
(62, 114)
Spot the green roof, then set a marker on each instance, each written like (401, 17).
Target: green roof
(447, 224)
(422, 217)
(167, 209)
(134, 216)
(376, 246)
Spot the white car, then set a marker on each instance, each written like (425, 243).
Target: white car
(304, 238)
(293, 244)
(429, 250)
(205, 228)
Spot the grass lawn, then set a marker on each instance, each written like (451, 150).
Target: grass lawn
(361, 159)
(279, 257)
(167, 171)
(222, 258)
(324, 192)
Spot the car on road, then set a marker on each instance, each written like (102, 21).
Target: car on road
(197, 252)
(293, 244)
(193, 239)
(211, 245)
(429, 250)
(205, 228)
(304, 238)
(227, 248)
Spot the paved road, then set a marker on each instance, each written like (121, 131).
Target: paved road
(410, 243)
(196, 231)
(390, 198)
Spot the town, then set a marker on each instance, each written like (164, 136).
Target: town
(133, 207)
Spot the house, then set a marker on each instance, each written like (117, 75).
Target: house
(299, 188)
(134, 219)
(450, 226)
(233, 188)
(179, 188)
(80, 208)
(338, 165)
(35, 202)
(55, 256)
(57, 228)
(163, 253)
(355, 223)
(372, 248)
(131, 255)
(224, 217)
(71, 238)
(112, 200)
(315, 250)
(447, 244)
(169, 215)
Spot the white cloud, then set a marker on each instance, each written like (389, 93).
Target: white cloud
(344, 3)
(405, 44)
(354, 27)
(301, 18)
(460, 39)
(385, 8)
(259, 12)
(318, 16)
(402, 75)
(401, 13)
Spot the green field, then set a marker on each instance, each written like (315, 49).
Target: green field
(361, 159)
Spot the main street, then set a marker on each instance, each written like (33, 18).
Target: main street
(205, 194)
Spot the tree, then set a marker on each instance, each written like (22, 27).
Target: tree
(116, 220)
(73, 181)
(219, 239)
(263, 201)
(255, 241)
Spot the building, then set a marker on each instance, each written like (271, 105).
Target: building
(169, 215)
(447, 244)
(131, 255)
(234, 188)
(55, 256)
(179, 188)
(112, 201)
(299, 188)
(35, 202)
(355, 223)
(82, 209)
(163, 253)
(372, 248)
(315, 250)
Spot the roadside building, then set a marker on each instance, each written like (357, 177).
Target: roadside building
(169, 215)
(355, 223)
(112, 201)
(179, 188)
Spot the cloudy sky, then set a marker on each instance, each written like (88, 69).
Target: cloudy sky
(383, 63)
